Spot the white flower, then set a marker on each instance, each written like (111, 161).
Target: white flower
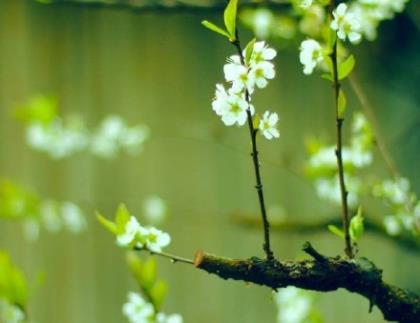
(173, 318)
(236, 111)
(294, 305)
(262, 22)
(268, 125)
(238, 75)
(132, 228)
(50, 216)
(154, 209)
(310, 55)
(261, 72)
(73, 217)
(261, 52)
(220, 103)
(347, 24)
(392, 225)
(137, 310)
(10, 313)
(305, 4)
(156, 239)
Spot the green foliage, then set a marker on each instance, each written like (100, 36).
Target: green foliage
(230, 18)
(40, 109)
(109, 225)
(215, 28)
(248, 50)
(357, 226)
(13, 285)
(122, 216)
(346, 67)
(17, 202)
(341, 104)
(145, 274)
(338, 232)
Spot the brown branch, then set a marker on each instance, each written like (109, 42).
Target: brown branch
(322, 274)
(339, 120)
(290, 224)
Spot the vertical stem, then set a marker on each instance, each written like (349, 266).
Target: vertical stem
(339, 148)
(256, 162)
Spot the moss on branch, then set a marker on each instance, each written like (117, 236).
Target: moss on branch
(322, 274)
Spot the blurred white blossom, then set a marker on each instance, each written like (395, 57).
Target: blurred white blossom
(154, 209)
(73, 217)
(310, 55)
(10, 313)
(137, 310)
(346, 24)
(293, 305)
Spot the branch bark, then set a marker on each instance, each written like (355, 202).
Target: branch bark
(322, 274)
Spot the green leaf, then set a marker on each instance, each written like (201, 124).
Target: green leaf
(121, 218)
(248, 50)
(328, 77)
(216, 29)
(256, 121)
(158, 293)
(357, 226)
(135, 264)
(109, 225)
(341, 104)
(149, 273)
(345, 68)
(338, 232)
(230, 18)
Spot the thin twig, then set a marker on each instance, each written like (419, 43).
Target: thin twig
(172, 257)
(338, 152)
(255, 159)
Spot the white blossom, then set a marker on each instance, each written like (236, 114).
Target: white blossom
(173, 318)
(238, 75)
(346, 24)
(261, 52)
(310, 55)
(73, 217)
(268, 125)
(131, 229)
(137, 310)
(392, 225)
(154, 209)
(156, 239)
(10, 313)
(262, 72)
(294, 305)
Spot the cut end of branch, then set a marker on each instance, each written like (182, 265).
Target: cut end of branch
(198, 258)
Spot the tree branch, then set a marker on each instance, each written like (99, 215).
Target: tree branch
(322, 274)
(290, 224)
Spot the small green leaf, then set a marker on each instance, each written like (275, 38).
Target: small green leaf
(135, 264)
(216, 29)
(256, 121)
(158, 293)
(328, 77)
(338, 232)
(341, 104)
(345, 68)
(148, 273)
(230, 18)
(109, 225)
(248, 50)
(357, 226)
(121, 218)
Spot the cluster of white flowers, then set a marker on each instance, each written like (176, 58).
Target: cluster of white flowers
(114, 134)
(54, 216)
(372, 12)
(57, 140)
(137, 310)
(294, 306)
(322, 163)
(10, 313)
(404, 204)
(142, 237)
(233, 105)
(60, 141)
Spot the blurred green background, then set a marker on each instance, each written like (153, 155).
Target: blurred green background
(160, 69)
